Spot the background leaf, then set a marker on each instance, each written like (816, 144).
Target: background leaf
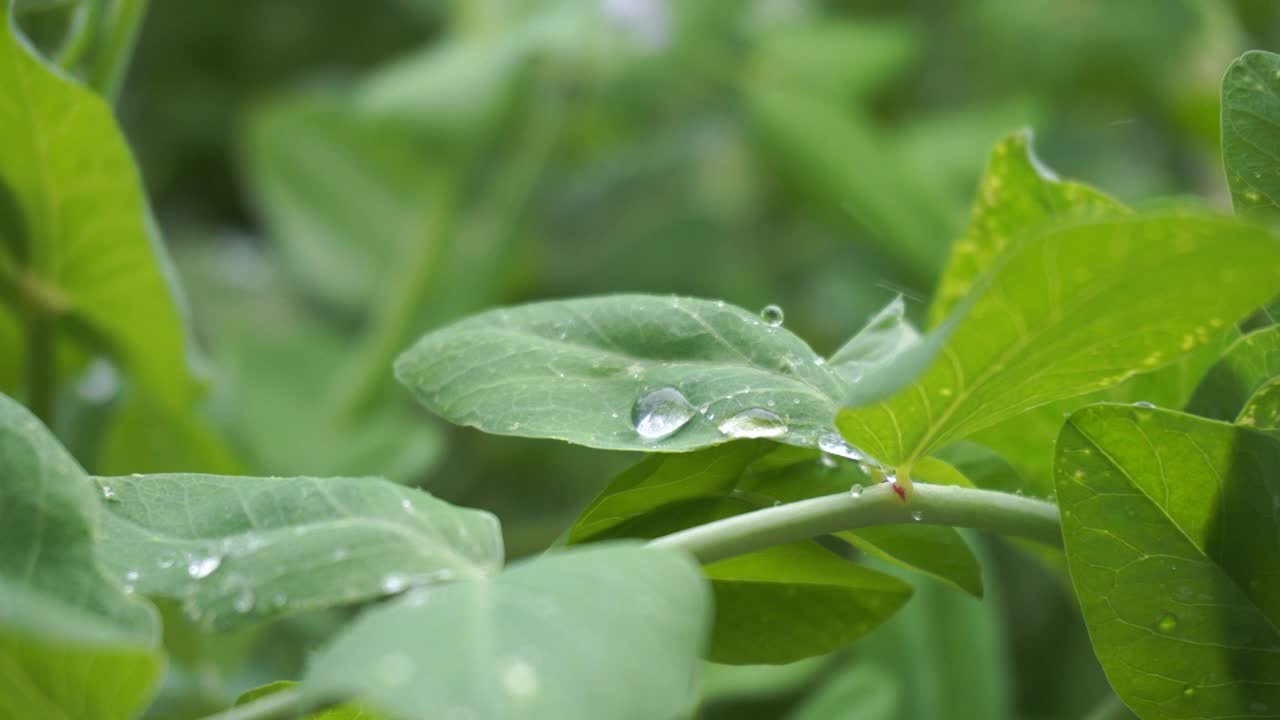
(625, 623)
(1247, 365)
(1250, 110)
(1168, 522)
(72, 643)
(238, 550)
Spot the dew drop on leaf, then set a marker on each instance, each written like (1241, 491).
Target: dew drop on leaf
(771, 315)
(203, 566)
(754, 423)
(661, 413)
(827, 461)
(394, 583)
(1144, 404)
(856, 490)
(917, 516)
(109, 494)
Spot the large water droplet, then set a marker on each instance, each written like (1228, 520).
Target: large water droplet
(772, 315)
(754, 423)
(203, 566)
(834, 444)
(660, 413)
(1168, 623)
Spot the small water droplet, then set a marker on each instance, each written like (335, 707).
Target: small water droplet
(407, 505)
(827, 461)
(166, 560)
(109, 494)
(202, 567)
(856, 490)
(519, 678)
(1144, 404)
(917, 516)
(661, 413)
(772, 315)
(244, 601)
(1168, 623)
(394, 583)
(754, 423)
(132, 575)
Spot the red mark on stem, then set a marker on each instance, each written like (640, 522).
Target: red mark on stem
(902, 493)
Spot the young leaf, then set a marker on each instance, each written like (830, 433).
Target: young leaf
(73, 643)
(796, 601)
(1017, 194)
(1169, 526)
(625, 372)
(1244, 369)
(237, 550)
(1250, 111)
(610, 631)
(1072, 311)
(884, 337)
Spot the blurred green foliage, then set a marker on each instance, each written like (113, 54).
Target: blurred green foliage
(334, 179)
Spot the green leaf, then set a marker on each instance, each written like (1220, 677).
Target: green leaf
(89, 262)
(665, 479)
(72, 643)
(1250, 113)
(864, 691)
(1016, 195)
(238, 550)
(1073, 311)
(1169, 526)
(1263, 409)
(795, 601)
(346, 711)
(881, 340)
(949, 654)
(1249, 364)
(58, 131)
(610, 631)
(345, 195)
(589, 371)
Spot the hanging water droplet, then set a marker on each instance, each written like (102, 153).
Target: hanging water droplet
(754, 423)
(772, 315)
(202, 567)
(827, 461)
(661, 413)
(917, 516)
(836, 445)
(856, 490)
(1168, 623)
(244, 601)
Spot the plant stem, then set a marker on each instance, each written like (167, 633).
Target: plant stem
(931, 504)
(41, 374)
(119, 33)
(283, 704)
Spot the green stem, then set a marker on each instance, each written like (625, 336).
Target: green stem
(284, 704)
(79, 34)
(988, 510)
(119, 34)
